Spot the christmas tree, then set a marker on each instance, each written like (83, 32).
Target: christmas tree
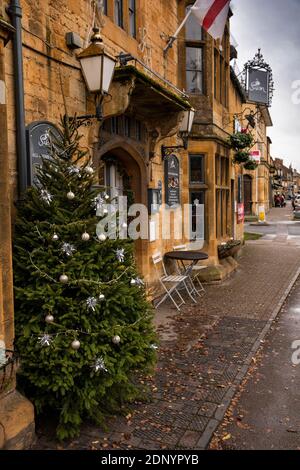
(83, 323)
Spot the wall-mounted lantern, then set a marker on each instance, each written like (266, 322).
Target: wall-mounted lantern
(98, 70)
(184, 131)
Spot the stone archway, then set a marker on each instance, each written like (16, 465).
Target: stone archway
(134, 167)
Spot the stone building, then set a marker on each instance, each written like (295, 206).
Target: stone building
(144, 112)
(257, 186)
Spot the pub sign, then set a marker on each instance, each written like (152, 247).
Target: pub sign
(258, 86)
(172, 180)
(38, 136)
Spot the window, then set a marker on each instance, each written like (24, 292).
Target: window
(223, 214)
(105, 7)
(127, 124)
(215, 74)
(194, 47)
(119, 12)
(138, 130)
(132, 18)
(197, 169)
(114, 125)
(197, 224)
(197, 195)
(194, 65)
(222, 70)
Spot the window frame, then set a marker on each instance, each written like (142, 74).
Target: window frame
(132, 13)
(197, 44)
(197, 155)
(119, 15)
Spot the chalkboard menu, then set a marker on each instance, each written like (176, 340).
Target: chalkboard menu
(172, 180)
(38, 136)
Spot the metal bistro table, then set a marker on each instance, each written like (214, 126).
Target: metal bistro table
(193, 256)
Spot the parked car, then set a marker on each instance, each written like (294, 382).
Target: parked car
(297, 201)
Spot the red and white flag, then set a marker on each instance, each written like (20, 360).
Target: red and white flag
(212, 15)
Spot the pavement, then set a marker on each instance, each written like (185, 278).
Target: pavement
(266, 412)
(205, 353)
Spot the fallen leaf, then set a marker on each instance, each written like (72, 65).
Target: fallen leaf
(227, 437)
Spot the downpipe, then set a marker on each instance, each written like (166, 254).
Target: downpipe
(15, 12)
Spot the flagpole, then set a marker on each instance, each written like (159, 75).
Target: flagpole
(173, 38)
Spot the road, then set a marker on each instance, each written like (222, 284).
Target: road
(265, 413)
(281, 227)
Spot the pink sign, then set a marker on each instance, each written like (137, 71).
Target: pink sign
(240, 213)
(255, 155)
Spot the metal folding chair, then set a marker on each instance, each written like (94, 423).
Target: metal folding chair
(195, 269)
(174, 281)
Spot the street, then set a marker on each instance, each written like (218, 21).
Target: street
(281, 226)
(204, 355)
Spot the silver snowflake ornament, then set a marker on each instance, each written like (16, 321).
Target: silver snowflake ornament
(91, 303)
(73, 170)
(98, 202)
(139, 282)
(45, 340)
(68, 249)
(120, 254)
(99, 365)
(46, 196)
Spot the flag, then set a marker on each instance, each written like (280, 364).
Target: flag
(212, 15)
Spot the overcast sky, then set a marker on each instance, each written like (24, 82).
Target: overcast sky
(274, 26)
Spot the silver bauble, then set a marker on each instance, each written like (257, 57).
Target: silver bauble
(101, 297)
(49, 319)
(106, 196)
(102, 237)
(55, 237)
(85, 237)
(133, 282)
(116, 339)
(89, 170)
(75, 344)
(63, 279)
(70, 195)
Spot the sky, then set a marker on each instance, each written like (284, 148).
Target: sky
(273, 25)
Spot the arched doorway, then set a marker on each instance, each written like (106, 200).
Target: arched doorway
(248, 194)
(122, 170)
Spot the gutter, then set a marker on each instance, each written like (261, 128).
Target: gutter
(15, 13)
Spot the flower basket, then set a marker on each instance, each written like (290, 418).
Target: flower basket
(8, 371)
(250, 165)
(229, 249)
(240, 141)
(241, 157)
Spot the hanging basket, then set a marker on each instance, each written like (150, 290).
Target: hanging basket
(8, 371)
(241, 157)
(240, 141)
(250, 166)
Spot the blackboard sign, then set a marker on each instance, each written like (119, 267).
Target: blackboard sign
(172, 180)
(258, 86)
(38, 139)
